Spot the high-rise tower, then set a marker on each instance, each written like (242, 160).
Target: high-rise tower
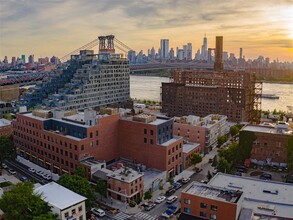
(218, 66)
(164, 49)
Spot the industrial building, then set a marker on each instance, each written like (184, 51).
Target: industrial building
(233, 197)
(89, 80)
(201, 92)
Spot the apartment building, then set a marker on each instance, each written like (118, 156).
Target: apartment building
(149, 140)
(271, 141)
(204, 131)
(59, 140)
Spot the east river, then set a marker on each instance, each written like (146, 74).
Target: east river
(149, 87)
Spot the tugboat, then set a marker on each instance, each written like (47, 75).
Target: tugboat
(270, 96)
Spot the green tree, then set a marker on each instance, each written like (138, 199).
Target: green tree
(23, 204)
(79, 185)
(223, 165)
(215, 161)
(234, 130)
(7, 150)
(195, 159)
(101, 187)
(79, 171)
(221, 140)
(148, 195)
(171, 181)
(8, 117)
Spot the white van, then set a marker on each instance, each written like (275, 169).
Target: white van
(98, 212)
(171, 199)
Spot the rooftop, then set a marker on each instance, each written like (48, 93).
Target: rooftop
(125, 174)
(264, 197)
(59, 196)
(4, 122)
(189, 147)
(267, 129)
(171, 141)
(213, 192)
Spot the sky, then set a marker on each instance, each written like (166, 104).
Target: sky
(57, 27)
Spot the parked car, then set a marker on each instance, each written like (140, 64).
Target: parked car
(40, 173)
(31, 170)
(266, 176)
(46, 176)
(185, 180)
(11, 171)
(177, 185)
(171, 199)
(160, 199)
(170, 211)
(149, 206)
(98, 212)
(169, 192)
(204, 181)
(4, 166)
(23, 179)
(237, 173)
(210, 160)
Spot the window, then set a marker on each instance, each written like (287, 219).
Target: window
(91, 135)
(73, 211)
(145, 131)
(187, 201)
(203, 205)
(152, 132)
(169, 152)
(186, 210)
(152, 141)
(145, 140)
(66, 215)
(203, 214)
(80, 217)
(80, 208)
(213, 216)
(97, 133)
(214, 207)
(82, 147)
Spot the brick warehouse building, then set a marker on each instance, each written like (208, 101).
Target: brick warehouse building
(60, 140)
(202, 92)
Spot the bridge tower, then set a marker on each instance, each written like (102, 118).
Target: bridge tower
(106, 44)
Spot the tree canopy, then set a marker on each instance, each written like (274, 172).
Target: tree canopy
(101, 187)
(195, 159)
(224, 166)
(221, 140)
(21, 203)
(7, 150)
(79, 185)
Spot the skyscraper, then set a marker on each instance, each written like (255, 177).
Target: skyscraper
(204, 49)
(164, 49)
(31, 59)
(240, 54)
(23, 58)
(218, 66)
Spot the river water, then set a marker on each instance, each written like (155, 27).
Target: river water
(148, 87)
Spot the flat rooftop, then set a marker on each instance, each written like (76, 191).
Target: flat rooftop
(264, 197)
(213, 192)
(263, 129)
(59, 196)
(125, 174)
(189, 147)
(171, 141)
(4, 122)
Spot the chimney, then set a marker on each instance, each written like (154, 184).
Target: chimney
(218, 66)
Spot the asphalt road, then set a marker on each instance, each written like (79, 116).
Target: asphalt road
(22, 170)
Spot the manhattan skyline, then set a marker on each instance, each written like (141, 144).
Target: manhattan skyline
(56, 27)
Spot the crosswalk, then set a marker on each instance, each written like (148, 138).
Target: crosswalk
(121, 216)
(144, 216)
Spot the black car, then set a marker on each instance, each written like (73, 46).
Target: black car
(238, 173)
(265, 176)
(170, 192)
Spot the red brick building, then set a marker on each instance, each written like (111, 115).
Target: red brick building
(125, 184)
(270, 142)
(5, 127)
(210, 202)
(60, 141)
(149, 140)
